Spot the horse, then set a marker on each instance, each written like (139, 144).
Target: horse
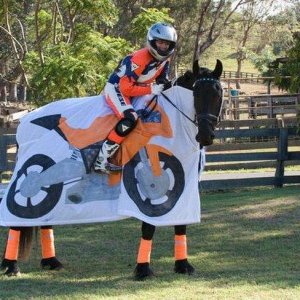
(208, 96)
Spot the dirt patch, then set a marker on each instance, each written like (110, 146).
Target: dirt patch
(250, 89)
(259, 89)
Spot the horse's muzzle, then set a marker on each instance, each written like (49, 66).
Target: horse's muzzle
(205, 134)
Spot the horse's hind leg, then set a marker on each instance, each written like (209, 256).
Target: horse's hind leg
(142, 269)
(49, 260)
(182, 265)
(10, 258)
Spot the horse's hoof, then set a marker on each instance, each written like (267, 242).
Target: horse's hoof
(182, 266)
(142, 271)
(51, 263)
(10, 267)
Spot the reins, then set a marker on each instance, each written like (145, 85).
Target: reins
(147, 113)
(212, 119)
(176, 107)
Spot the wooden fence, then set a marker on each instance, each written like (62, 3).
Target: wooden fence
(260, 106)
(7, 154)
(246, 76)
(248, 155)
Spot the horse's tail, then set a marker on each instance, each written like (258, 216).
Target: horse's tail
(25, 244)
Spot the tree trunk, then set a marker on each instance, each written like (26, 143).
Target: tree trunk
(23, 90)
(13, 95)
(238, 73)
(3, 93)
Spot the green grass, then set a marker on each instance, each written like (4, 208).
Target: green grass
(247, 247)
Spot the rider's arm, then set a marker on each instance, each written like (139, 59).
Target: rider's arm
(133, 66)
(139, 65)
(130, 88)
(164, 75)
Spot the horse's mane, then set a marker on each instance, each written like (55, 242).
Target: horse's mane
(188, 79)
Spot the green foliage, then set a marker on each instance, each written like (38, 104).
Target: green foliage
(290, 68)
(263, 60)
(148, 17)
(75, 70)
(98, 11)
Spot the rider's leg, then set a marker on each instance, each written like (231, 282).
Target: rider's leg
(127, 121)
(49, 259)
(9, 262)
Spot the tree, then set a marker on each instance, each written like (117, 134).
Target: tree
(65, 48)
(290, 68)
(13, 51)
(141, 23)
(250, 17)
(60, 45)
(213, 18)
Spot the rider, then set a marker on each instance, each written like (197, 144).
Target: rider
(140, 73)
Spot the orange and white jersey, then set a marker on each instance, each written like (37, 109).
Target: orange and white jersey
(136, 72)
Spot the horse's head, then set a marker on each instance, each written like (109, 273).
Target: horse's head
(208, 97)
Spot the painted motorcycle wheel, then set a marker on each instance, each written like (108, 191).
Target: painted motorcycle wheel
(45, 199)
(172, 186)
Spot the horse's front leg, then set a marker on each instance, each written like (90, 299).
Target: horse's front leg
(49, 260)
(182, 265)
(142, 269)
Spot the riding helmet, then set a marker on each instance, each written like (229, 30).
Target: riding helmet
(161, 31)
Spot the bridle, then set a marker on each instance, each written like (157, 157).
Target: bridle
(212, 119)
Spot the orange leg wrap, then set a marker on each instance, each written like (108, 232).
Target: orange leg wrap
(47, 242)
(144, 251)
(12, 246)
(180, 247)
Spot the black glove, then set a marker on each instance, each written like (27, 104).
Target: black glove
(166, 82)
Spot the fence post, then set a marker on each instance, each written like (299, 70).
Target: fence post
(3, 155)
(282, 155)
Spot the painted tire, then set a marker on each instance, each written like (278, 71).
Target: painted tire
(49, 195)
(170, 163)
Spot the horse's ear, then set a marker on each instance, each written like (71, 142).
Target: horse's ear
(196, 68)
(217, 72)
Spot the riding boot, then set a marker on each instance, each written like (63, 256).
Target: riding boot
(108, 149)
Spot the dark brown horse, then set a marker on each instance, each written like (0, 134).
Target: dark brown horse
(207, 94)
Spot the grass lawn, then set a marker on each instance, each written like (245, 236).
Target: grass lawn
(247, 247)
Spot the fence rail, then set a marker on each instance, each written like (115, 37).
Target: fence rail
(268, 106)
(257, 154)
(234, 74)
